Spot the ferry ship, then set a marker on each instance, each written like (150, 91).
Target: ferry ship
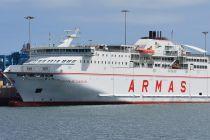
(153, 70)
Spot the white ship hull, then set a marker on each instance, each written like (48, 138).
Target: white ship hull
(128, 86)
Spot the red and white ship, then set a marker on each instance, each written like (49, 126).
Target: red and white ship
(153, 70)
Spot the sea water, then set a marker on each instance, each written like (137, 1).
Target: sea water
(106, 122)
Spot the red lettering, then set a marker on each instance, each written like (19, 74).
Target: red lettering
(171, 87)
(131, 87)
(145, 85)
(158, 86)
(183, 86)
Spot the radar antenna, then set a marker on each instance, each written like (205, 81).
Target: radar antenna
(70, 37)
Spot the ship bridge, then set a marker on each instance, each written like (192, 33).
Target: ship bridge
(61, 51)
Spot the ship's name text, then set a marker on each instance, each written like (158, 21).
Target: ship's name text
(159, 86)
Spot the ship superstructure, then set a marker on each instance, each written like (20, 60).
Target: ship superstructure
(153, 70)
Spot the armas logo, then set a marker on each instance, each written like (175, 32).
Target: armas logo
(143, 86)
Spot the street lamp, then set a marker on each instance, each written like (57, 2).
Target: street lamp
(205, 34)
(125, 14)
(29, 18)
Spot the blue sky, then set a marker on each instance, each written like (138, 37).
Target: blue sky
(102, 21)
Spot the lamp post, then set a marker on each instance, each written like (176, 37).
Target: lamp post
(205, 34)
(29, 18)
(125, 14)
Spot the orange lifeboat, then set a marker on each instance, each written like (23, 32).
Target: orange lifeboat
(146, 51)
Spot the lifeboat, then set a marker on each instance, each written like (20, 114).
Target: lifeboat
(146, 51)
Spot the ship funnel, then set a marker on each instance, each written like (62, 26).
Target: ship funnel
(158, 35)
(150, 35)
(154, 34)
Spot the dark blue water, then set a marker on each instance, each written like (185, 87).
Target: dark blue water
(118, 122)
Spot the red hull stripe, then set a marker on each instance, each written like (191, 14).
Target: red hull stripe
(105, 74)
(36, 104)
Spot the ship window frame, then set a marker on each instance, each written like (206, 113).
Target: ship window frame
(68, 61)
(73, 61)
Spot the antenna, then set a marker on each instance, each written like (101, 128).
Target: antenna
(205, 34)
(49, 39)
(172, 35)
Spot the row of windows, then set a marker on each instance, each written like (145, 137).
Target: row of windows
(103, 62)
(157, 65)
(167, 65)
(113, 55)
(200, 67)
(60, 50)
(183, 66)
(53, 61)
(196, 60)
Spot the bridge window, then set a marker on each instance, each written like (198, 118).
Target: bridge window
(73, 61)
(68, 61)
